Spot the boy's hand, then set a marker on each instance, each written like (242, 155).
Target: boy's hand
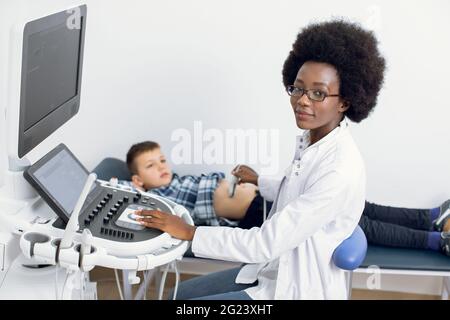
(245, 174)
(172, 224)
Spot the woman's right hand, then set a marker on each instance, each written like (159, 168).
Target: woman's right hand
(245, 174)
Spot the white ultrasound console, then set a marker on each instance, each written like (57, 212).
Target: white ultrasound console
(116, 239)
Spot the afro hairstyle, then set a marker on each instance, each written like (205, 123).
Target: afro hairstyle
(352, 51)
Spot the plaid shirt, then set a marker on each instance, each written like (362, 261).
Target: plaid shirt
(195, 193)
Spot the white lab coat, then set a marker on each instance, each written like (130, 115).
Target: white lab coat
(317, 206)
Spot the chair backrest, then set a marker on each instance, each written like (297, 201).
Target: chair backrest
(351, 252)
(348, 255)
(112, 167)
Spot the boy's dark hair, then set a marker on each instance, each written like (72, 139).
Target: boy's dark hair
(136, 150)
(352, 51)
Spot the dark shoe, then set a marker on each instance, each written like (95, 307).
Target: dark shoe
(445, 243)
(444, 216)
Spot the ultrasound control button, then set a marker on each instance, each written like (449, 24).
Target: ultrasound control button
(109, 195)
(125, 199)
(113, 210)
(152, 203)
(127, 218)
(87, 221)
(95, 211)
(99, 207)
(91, 216)
(109, 215)
(105, 220)
(133, 216)
(120, 202)
(117, 206)
(103, 202)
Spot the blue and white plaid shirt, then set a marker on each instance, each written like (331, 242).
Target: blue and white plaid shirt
(196, 194)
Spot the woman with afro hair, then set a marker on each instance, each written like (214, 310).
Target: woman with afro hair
(333, 73)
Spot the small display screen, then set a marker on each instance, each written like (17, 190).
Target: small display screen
(63, 178)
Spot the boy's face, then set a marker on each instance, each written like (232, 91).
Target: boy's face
(152, 170)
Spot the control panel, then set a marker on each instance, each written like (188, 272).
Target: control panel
(110, 214)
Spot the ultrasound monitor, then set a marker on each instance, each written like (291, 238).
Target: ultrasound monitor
(52, 60)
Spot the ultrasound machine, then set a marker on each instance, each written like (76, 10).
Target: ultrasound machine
(57, 220)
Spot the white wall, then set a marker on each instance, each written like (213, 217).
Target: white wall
(151, 67)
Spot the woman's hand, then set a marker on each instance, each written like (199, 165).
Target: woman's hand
(172, 224)
(245, 174)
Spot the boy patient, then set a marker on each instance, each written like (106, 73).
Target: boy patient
(205, 196)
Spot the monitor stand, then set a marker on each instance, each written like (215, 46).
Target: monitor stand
(15, 186)
(16, 194)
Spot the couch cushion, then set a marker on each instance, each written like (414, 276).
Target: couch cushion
(408, 259)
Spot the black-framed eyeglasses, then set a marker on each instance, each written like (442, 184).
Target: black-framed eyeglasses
(313, 94)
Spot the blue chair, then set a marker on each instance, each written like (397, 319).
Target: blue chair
(351, 252)
(348, 255)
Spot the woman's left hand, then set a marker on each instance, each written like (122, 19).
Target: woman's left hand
(172, 224)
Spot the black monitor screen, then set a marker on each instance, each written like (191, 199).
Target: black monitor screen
(52, 71)
(63, 178)
(52, 61)
(59, 177)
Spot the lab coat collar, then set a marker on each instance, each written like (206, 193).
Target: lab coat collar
(303, 140)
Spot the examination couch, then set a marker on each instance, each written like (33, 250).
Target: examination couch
(352, 255)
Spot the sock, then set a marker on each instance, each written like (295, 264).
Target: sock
(434, 240)
(434, 213)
